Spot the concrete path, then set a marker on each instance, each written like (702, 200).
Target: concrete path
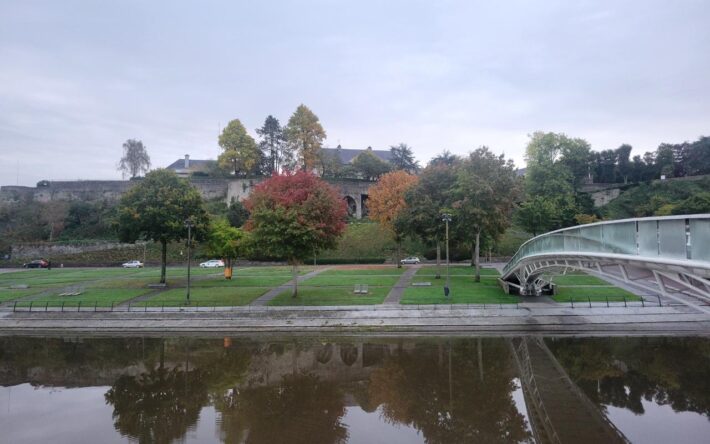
(269, 295)
(395, 294)
(382, 319)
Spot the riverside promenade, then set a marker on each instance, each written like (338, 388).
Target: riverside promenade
(532, 318)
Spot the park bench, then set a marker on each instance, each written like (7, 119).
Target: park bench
(421, 284)
(360, 289)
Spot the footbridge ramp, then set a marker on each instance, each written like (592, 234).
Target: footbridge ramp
(668, 255)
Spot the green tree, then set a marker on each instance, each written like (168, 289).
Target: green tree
(157, 209)
(304, 137)
(623, 164)
(574, 154)
(403, 158)
(537, 215)
(135, 159)
(241, 154)
(293, 215)
(483, 198)
(548, 177)
(369, 166)
(237, 214)
(224, 241)
(425, 204)
(273, 145)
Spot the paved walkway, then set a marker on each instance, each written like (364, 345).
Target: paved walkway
(445, 320)
(269, 295)
(395, 294)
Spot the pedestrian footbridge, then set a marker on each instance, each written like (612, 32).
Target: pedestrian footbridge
(665, 255)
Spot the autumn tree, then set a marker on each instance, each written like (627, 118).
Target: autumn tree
(135, 159)
(402, 158)
(157, 209)
(224, 241)
(484, 196)
(304, 137)
(240, 153)
(386, 202)
(273, 145)
(293, 215)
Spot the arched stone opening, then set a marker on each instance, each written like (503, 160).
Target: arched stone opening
(351, 205)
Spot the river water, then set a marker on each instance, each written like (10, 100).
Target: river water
(365, 390)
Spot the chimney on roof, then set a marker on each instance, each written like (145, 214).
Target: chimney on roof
(187, 161)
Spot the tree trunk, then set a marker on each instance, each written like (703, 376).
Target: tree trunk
(294, 270)
(438, 259)
(163, 259)
(473, 254)
(476, 254)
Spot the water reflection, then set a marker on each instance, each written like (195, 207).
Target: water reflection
(300, 391)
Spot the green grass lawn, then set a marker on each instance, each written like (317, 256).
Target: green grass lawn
(383, 271)
(456, 270)
(244, 281)
(100, 296)
(220, 296)
(578, 279)
(323, 280)
(459, 295)
(8, 294)
(268, 270)
(595, 294)
(330, 296)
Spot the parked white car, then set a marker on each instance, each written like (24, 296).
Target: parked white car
(212, 263)
(133, 264)
(410, 260)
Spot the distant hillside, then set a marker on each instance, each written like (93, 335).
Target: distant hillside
(660, 198)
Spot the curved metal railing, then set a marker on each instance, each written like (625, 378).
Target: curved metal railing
(673, 239)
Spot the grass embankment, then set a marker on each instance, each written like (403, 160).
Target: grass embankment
(464, 290)
(585, 288)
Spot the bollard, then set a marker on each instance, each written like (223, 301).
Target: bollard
(162, 306)
(30, 305)
(14, 306)
(590, 301)
(659, 300)
(46, 305)
(111, 305)
(624, 300)
(607, 301)
(129, 305)
(78, 307)
(643, 304)
(571, 302)
(62, 306)
(95, 304)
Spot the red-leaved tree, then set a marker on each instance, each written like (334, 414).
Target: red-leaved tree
(293, 215)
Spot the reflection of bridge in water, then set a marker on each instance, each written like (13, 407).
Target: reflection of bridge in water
(558, 410)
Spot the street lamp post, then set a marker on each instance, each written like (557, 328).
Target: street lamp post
(189, 224)
(447, 218)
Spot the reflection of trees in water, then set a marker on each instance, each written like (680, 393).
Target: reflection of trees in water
(450, 395)
(623, 371)
(300, 409)
(158, 406)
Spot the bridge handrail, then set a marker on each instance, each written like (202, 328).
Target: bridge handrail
(680, 238)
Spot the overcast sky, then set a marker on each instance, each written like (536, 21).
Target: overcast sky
(78, 78)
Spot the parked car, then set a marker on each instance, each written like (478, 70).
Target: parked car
(133, 264)
(38, 263)
(410, 260)
(212, 263)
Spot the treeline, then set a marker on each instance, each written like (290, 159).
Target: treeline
(299, 146)
(558, 166)
(669, 160)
